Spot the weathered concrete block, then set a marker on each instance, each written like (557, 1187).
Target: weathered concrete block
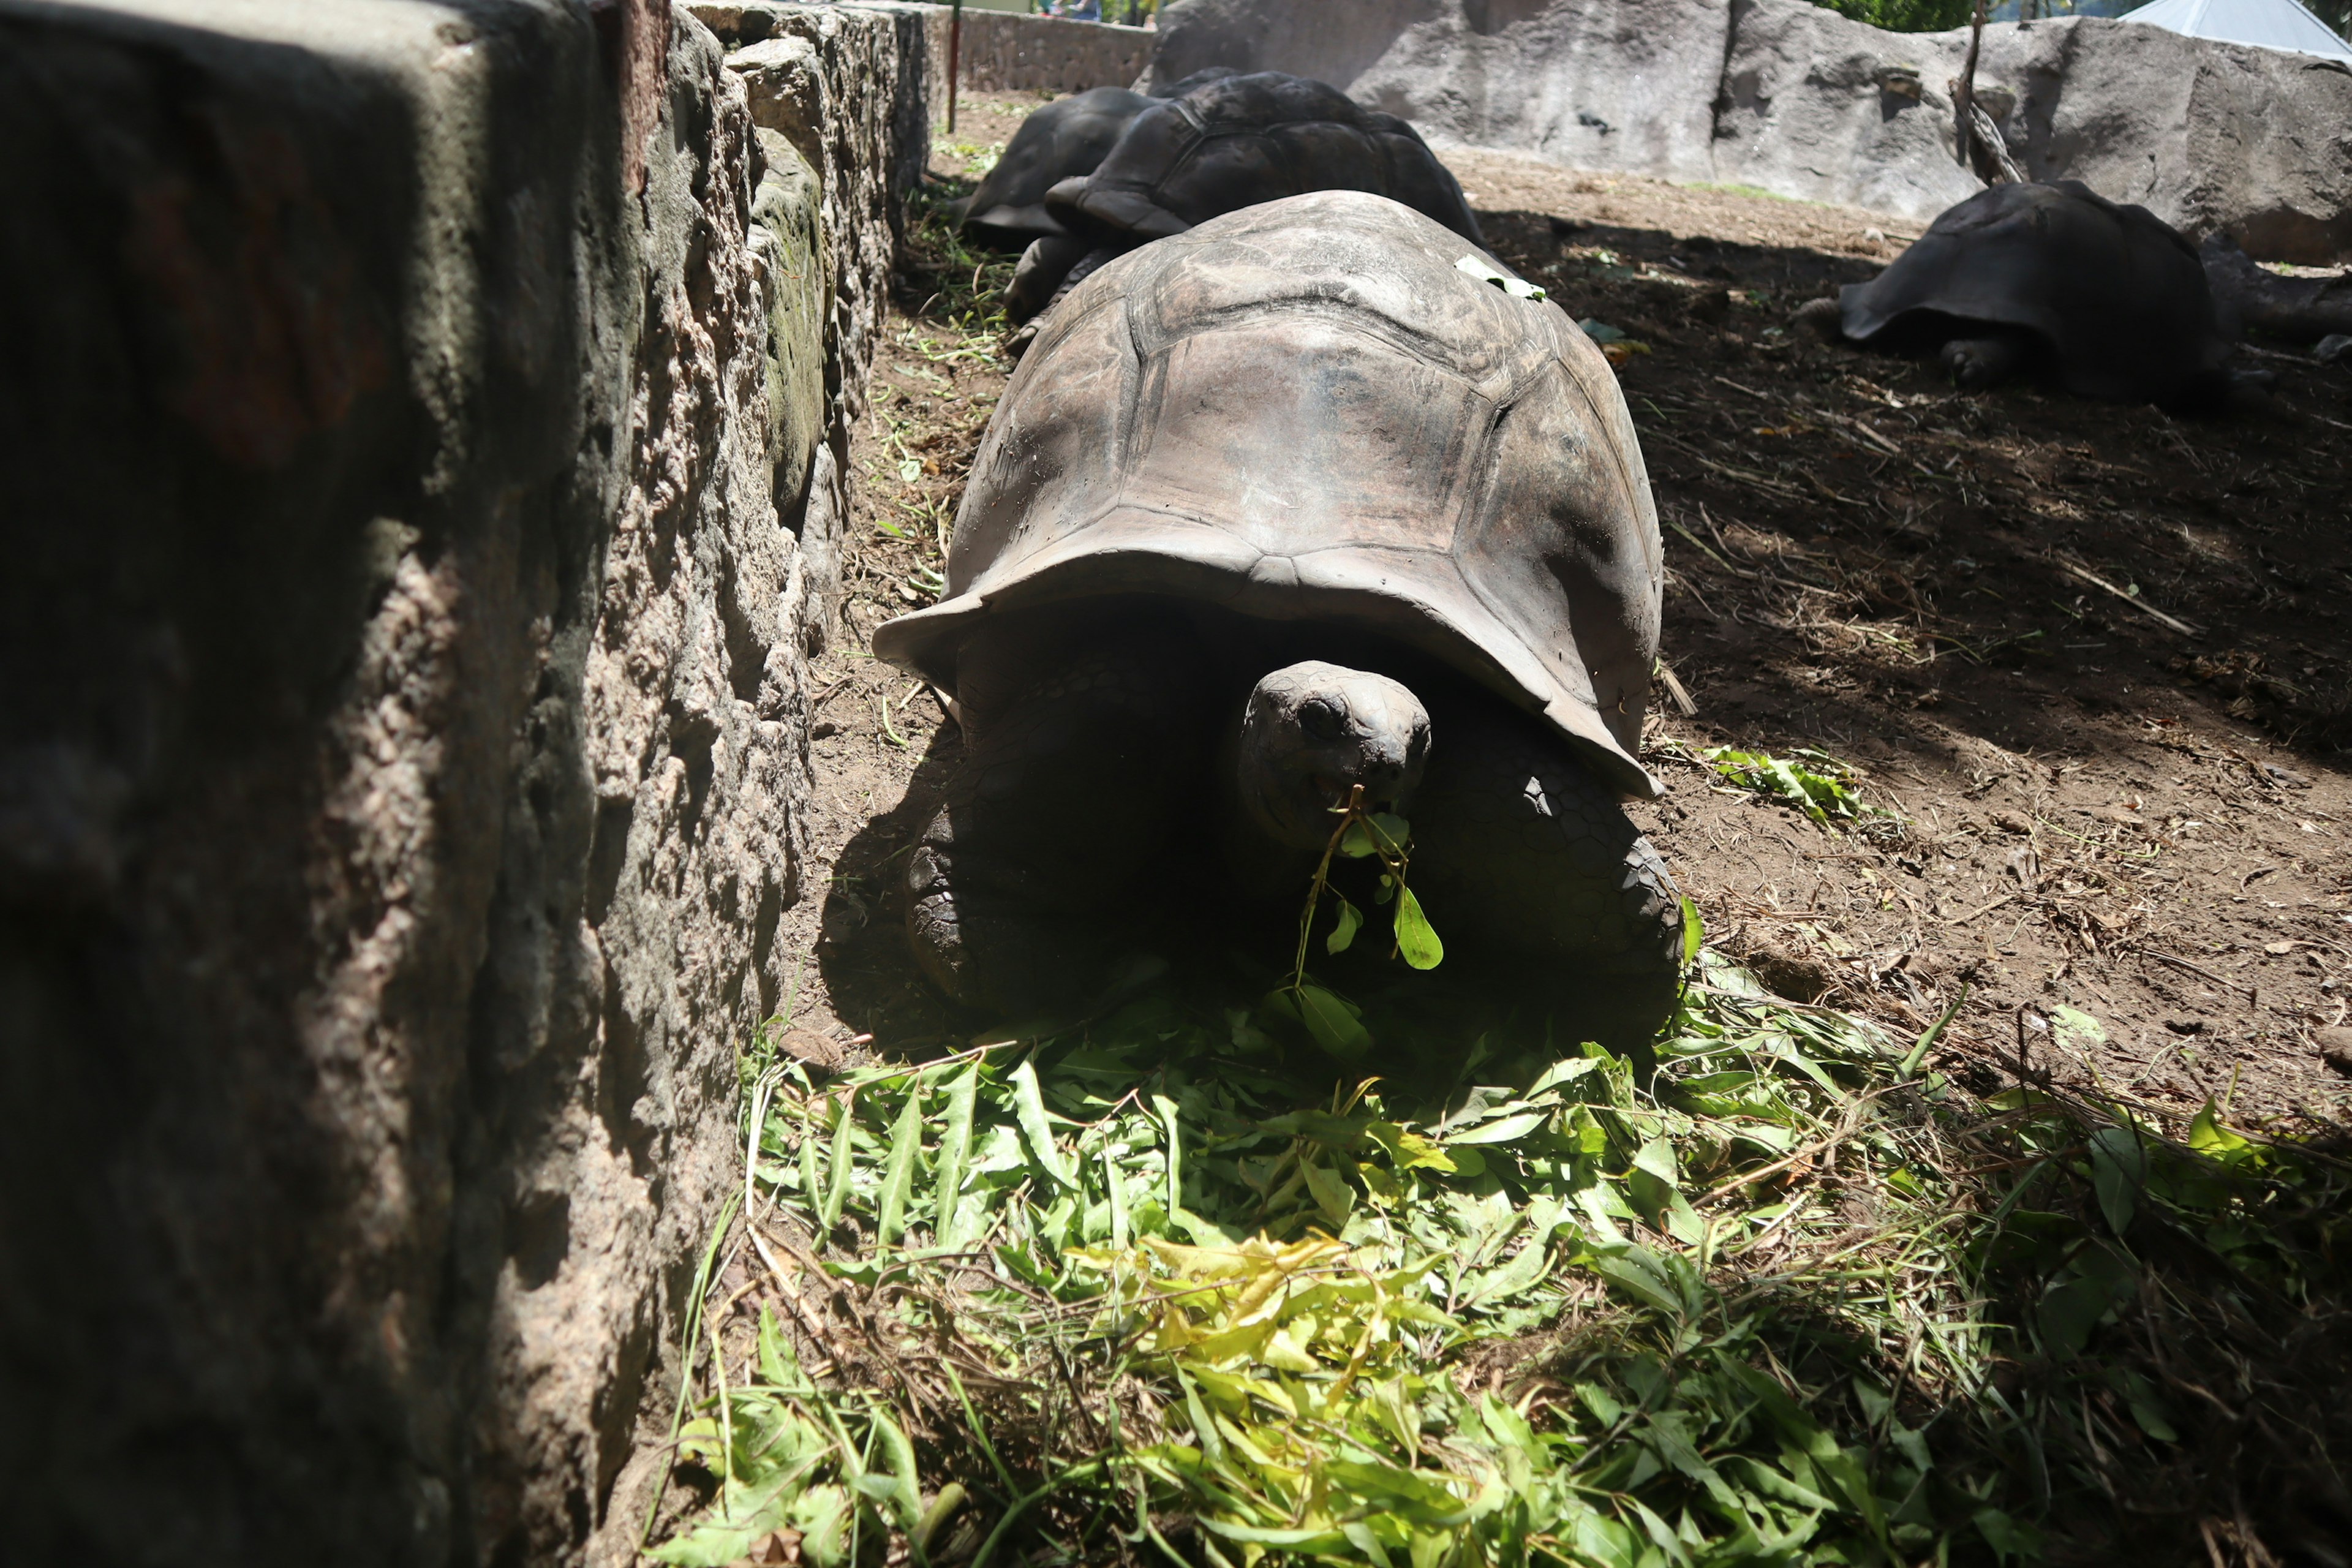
(1004, 51)
(848, 85)
(1630, 85)
(2211, 137)
(788, 246)
(408, 410)
(1812, 107)
(1329, 43)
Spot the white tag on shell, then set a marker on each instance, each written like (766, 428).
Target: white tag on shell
(1478, 267)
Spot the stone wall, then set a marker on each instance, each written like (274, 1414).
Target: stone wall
(424, 426)
(1792, 97)
(1004, 52)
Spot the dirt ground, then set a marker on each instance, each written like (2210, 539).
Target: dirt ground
(2085, 662)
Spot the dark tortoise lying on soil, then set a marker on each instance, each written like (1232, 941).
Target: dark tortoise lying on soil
(1065, 138)
(1284, 505)
(2108, 300)
(1222, 146)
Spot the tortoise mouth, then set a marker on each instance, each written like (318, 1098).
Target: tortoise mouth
(1314, 735)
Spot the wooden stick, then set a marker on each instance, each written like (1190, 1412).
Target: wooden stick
(1964, 95)
(2199, 969)
(2093, 578)
(1675, 687)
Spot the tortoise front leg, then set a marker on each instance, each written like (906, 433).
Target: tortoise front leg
(1035, 886)
(1975, 364)
(1527, 864)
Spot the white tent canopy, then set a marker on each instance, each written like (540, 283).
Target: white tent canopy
(2269, 24)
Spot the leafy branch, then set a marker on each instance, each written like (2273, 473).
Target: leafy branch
(1331, 1020)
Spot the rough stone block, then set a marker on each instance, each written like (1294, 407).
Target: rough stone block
(1004, 51)
(408, 410)
(1794, 99)
(1630, 85)
(1814, 106)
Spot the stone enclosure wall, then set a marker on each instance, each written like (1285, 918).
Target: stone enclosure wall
(1794, 97)
(424, 426)
(1004, 51)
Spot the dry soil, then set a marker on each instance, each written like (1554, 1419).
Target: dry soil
(2084, 662)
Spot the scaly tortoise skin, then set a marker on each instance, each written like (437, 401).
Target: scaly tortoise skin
(2107, 299)
(1280, 505)
(1221, 146)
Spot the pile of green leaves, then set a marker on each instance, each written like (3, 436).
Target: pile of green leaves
(1143, 1292)
(1816, 784)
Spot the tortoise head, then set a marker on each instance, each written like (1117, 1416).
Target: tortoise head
(1311, 732)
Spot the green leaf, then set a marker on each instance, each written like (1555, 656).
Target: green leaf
(1657, 1158)
(909, 471)
(1335, 1025)
(955, 1154)
(1204, 1431)
(1415, 938)
(2215, 1142)
(1117, 1196)
(2011, 1539)
(2118, 1171)
(2092, 1284)
(1638, 1273)
(836, 1187)
(1502, 1129)
(2072, 1027)
(1408, 1149)
(811, 1190)
(899, 1171)
(1694, 933)
(1527, 1268)
(1029, 1111)
(1343, 933)
(1165, 1109)
(2148, 1409)
(1334, 1196)
(904, 1493)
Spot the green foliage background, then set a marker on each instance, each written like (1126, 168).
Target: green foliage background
(1907, 16)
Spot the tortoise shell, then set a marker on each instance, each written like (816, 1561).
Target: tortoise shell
(1311, 409)
(2116, 294)
(1245, 139)
(1066, 137)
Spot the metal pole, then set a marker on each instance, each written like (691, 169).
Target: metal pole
(955, 60)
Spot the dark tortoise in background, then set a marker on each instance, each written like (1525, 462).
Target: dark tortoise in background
(1059, 140)
(1223, 145)
(1280, 506)
(2106, 300)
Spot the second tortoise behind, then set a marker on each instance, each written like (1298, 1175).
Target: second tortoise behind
(1283, 505)
(1220, 145)
(2108, 301)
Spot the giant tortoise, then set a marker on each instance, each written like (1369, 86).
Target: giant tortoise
(1062, 139)
(1222, 146)
(1288, 503)
(2108, 301)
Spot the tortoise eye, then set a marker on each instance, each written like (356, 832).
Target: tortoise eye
(1322, 719)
